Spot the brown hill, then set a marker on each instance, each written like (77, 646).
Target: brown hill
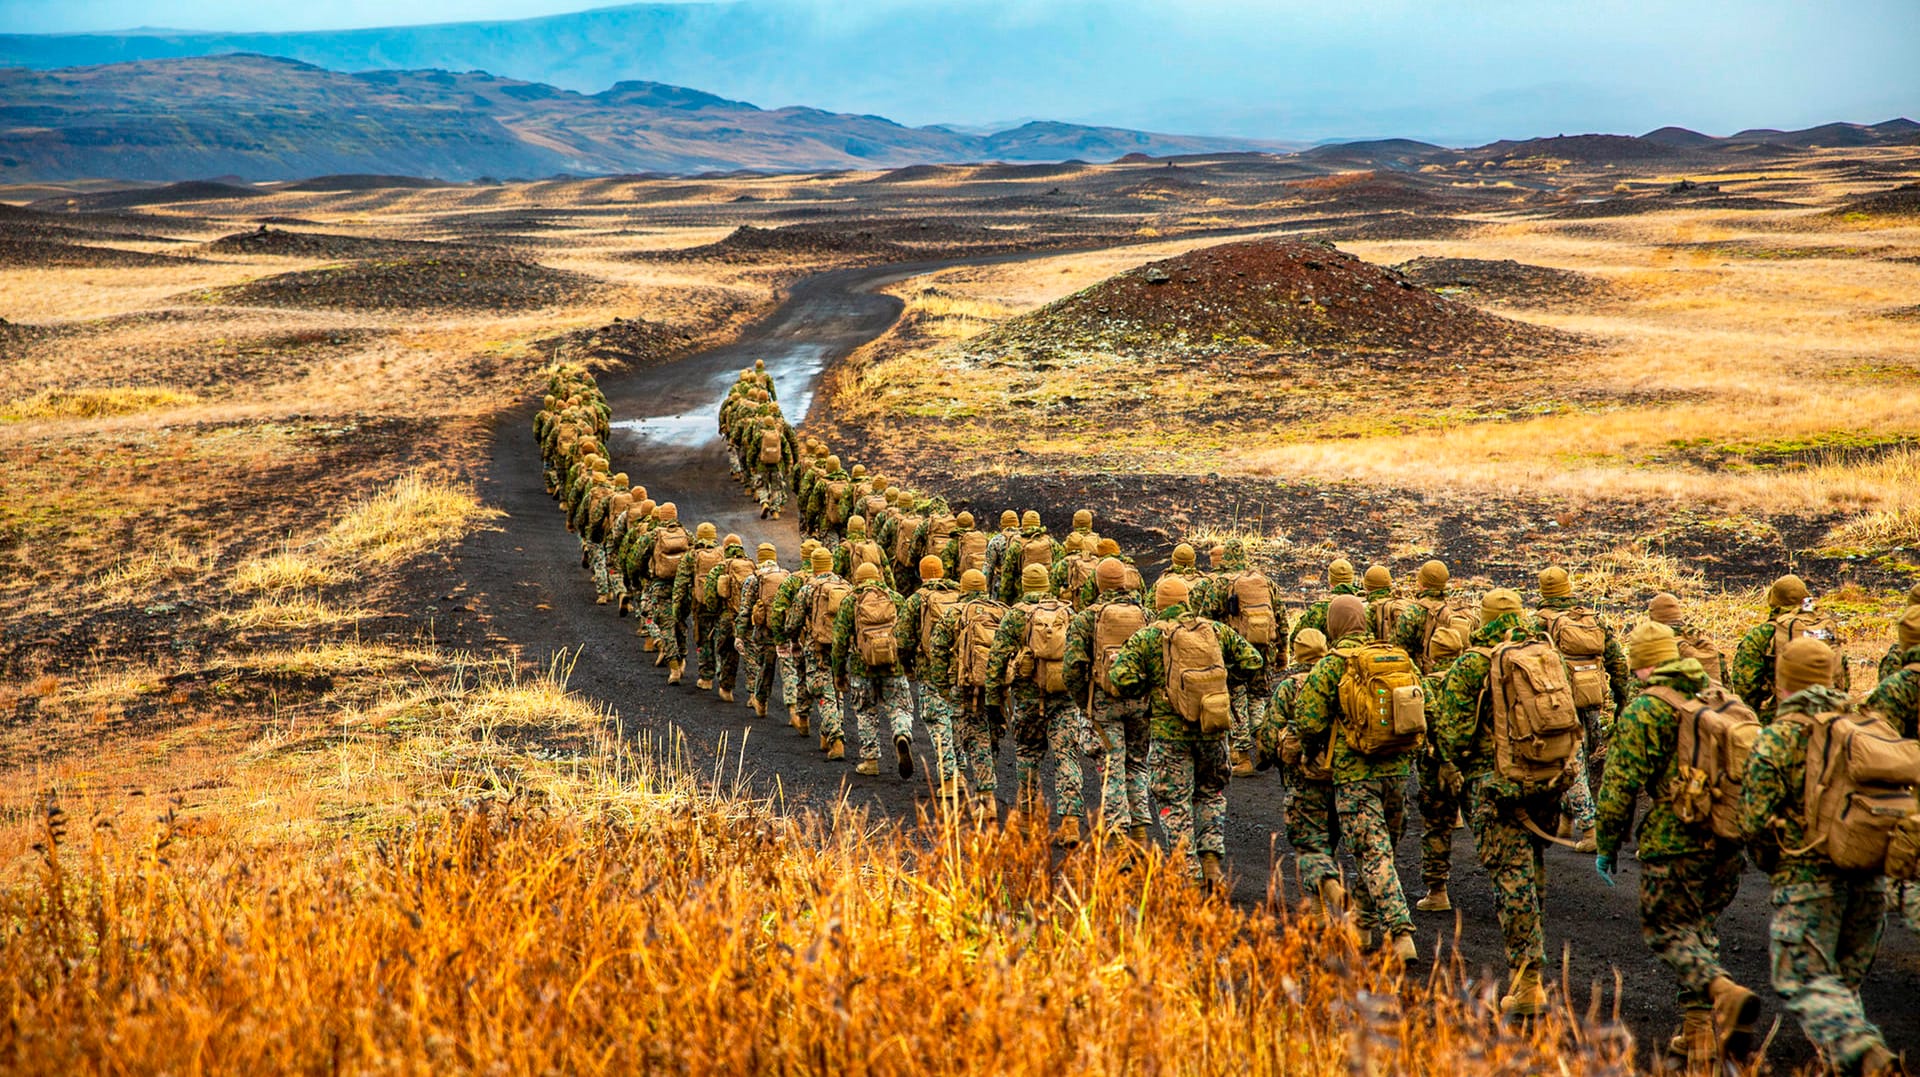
(451, 281)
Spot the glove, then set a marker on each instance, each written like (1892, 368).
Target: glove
(1603, 866)
(740, 647)
(1450, 779)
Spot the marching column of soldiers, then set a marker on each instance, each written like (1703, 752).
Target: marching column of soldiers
(1529, 725)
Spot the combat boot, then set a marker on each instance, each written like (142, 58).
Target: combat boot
(1068, 836)
(903, 755)
(647, 643)
(1693, 1044)
(674, 669)
(1879, 1061)
(600, 600)
(1242, 764)
(869, 767)
(798, 720)
(704, 684)
(1527, 998)
(1405, 949)
(1735, 1009)
(1587, 842)
(1211, 877)
(1137, 834)
(759, 707)
(837, 750)
(725, 694)
(1436, 900)
(1333, 896)
(622, 610)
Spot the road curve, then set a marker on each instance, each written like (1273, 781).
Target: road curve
(526, 576)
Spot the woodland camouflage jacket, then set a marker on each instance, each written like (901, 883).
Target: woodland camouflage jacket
(1643, 757)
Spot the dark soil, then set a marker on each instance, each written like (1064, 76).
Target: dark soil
(265, 240)
(1504, 280)
(189, 191)
(753, 245)
(462, 281)
(1901, 201)
(1403, 226)
(1267, 293)
(363, 182)
(1634, 205)
(44, 254)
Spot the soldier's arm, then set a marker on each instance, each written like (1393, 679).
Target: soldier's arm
(1620, 677)
(842, 635)
(1747, 677)
(1407, 630)
(795, 611)
(1764, 788)
(1244, 660)
(939, 667)
(1459, 709)
(1078, 665)
(906, 632)
(743, 616)
(1132, 669)
(682, 587)
(1314, 707)
(1897, 697)
(1005, 642)
(1630, 765)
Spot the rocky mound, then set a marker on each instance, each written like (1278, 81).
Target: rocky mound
(1504, 280)
(363, 182)
(189, 191)
(1269, 294)
(751, 244)
(1902, 201)
(264, 240)
(467, 280)
(27, 253)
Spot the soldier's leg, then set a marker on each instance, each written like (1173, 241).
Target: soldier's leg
(1063, 740)
(1029, 725)
(864, 699)
(597, 563)
(1809, 934)
(1308, 819)
(1135, 719)
(790, 674)
(825, 697)
(706, 631)
(1438, 810)
(1681, 898)
(659, 617)
(1170, 763)
(1362, 807)
(1211, 770)
(727, 661)
(975, 749)
(1115, 807)
(895, 701)
(1511, 859)
(937, 712)
(1577, 801)
(1242, 705)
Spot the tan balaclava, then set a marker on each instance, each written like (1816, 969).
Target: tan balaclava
(1448, 644)
(964, 521)
(1110, 575)
(1009, 520)
(1787, 592)
(822, 560)
(1169, 592)
(1346, 615)
(868, 572)
(766, 553)
(1651, 644)
(1340, 573)
(706, 532)
(931, 569)
(1082, 520)
(1034, 578)
(1497, 602)
(1029, 519)
(1183, 555)
(1106, 547)
(1665, 609)
(1378, 578)
(973, 582)
(1908, 630)
(1804, 663)
(1309, 646)
(1555, 584)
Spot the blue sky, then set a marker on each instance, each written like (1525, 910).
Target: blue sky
(1261, 68)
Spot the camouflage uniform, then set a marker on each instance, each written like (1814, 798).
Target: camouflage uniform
(656, 601)
(787, 643)
(1308, 818)
(1119, 723)
(997, 550)
(1315, 616)
(1898, 695)
(1439, 799)
(975, 742)
(1515, 859)
(1363, 789)
(1189, 769)
(769, 480)
(1043, 722)
(721, 616)
(1211, 598)
(936, 706)
(813, 511)
(818, 687)
(843, 557)
(756, 642)
(950, 556)
(1010, 562)
(1826, 922)
(686, 613)
(1090, 591)
(878, 696)
(1751, 675)
(1688, 876)
(1598, 721)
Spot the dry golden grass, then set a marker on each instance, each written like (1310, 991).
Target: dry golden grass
(1879, 530)
(415, 514)
(292, 613)
(136, 577)
(94, 403)
(289, 570)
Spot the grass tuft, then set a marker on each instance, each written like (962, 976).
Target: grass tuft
(94, 403)
(139, 577)
(1878, 530)
(288, 570)
(292, 613)
(415, 514)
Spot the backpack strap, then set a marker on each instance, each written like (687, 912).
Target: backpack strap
(1672, 697)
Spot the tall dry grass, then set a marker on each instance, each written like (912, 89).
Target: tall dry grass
(414, 514)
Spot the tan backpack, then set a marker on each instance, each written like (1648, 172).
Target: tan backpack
(971, 552)
(1580, 638)
(1079, 570)
(864, 552)
(1859, 793)
(875, 508)
(772, 446)
(907, 529)
(979, 623)
(1793, 625)
(1197, 675)
(1536, 727)
(1384, 616)
(1441, 613)
(1697, 647)
(771, 581)
(875, 617)
(705, 560)
(1113, 626)
(1383, 706)
(1717, 731)
(829, 594)
(1036, 550)
(738, 569)
(935, 602)
(671, 545)
(837, 500)
(1250, 608)
(1044, 652)
(941, 526)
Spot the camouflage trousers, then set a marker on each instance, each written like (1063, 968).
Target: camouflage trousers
(726, 662)
(1577, 801)
(1120, 729)
(1310, 826)
(597, 567)
(1516, 864)
(789, 662)
(768, 489)
(656, 600)
(1189, 783)
(1681, 899)
(763, 665)
(975, 749)
(937, 711)
(1047, 723)
(877, 700)
(552, 476)
(1363, 808)
(1824, 938)
(1439, 810)
(706, 653)
(1249, 714)
(733, 461)
(818, 691)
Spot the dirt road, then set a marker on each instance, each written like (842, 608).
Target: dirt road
(528, 579)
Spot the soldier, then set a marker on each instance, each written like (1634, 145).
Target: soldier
(660, 555)
(788, 645)
(1309, 815)
(1083, 527)
(1242, 597)
(1896, 654)
(606, 579)
(1186, 758)
(1826, 921)
(1102, 550)
(1692, 643)
(829, 487)
(720, 590)
(1363, 784)
(1384, 608)
(1440, 803)
(1501, 808)
(1073, 571)
(846, 502)
(1029, 656)
(1688, 875)
(773, 453)
(937, 528)
(1032, 546)
(810, 622)
(685, 612)
(1339, 582)
(866, 658)
(857, 549)
(640, 524)
(753, 628)
(1897, 698)
(1790, 610)
(966, 548)
(1182, 567)
(924, 610)
(962, 643)
(1093, 639)
(1600, 680)
(1432, 608)
(997, 548)
(809, 475)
